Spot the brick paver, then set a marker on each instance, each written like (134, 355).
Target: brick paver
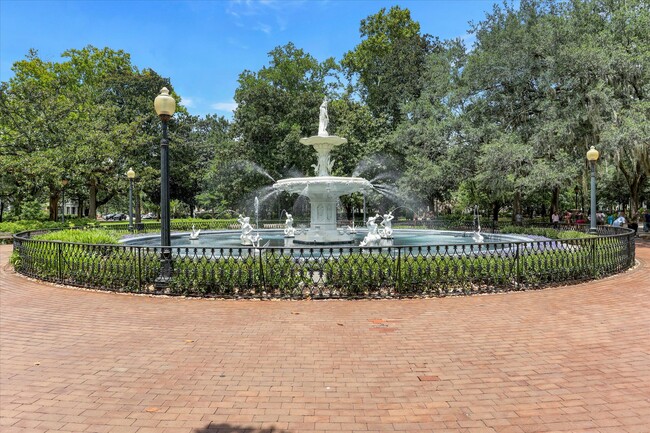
(568, 359)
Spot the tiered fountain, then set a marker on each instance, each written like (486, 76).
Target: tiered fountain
(323, 190)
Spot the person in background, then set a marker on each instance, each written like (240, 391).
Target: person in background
(646, 221)
(620, 221)
(555, 219)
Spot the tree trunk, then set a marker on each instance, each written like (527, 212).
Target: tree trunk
(635, 190)
(516, 206)
(555, 200)
(495, 211)
(92, 199)
(2, 209)
(54, 204)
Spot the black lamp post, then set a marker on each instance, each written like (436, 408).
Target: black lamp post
(131, 175)
(64, 182)
(592, 157)
(165, 106)
(576, 190)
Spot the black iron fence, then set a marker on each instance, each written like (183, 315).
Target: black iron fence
(323, 272)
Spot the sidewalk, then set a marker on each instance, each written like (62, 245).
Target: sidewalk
(566, 359)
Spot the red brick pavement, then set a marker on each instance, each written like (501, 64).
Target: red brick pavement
(570, 359)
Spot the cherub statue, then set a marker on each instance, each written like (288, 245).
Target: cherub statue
(289, 231)
(387, 231)
(246, 230)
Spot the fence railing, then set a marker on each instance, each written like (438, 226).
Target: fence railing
(327, 272)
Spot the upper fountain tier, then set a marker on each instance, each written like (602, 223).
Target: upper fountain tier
(323, 183)
(330, 185)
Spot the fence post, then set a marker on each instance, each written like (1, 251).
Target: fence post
(261, 289)
(593, 258)
(59, 260)
(518, 280)
(140, 269)
(399, 270)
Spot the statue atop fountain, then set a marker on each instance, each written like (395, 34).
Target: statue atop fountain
(289, 231)
(323, 190)
(246, 236)
(323, 119)
(387, 231)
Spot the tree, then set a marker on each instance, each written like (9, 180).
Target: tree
(389, 62)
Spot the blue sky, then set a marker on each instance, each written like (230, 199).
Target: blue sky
(202, 46)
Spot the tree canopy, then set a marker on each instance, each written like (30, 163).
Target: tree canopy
(503, 123)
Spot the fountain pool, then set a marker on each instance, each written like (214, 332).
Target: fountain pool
(227, 242)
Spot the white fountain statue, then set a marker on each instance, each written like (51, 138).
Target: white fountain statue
(194, 235)
(477, 237)
(289, 231)
(323, 190)
(246, 236)
(387, 231)
(323, 119)
(373, 236)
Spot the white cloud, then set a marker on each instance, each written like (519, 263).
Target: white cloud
(224, 106)
(265, 28)
(187, 101)
(273, 11)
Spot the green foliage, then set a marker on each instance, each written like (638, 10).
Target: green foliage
(81, 236)
(389, 61)
(32, 210)
(25, 225)
(505, 124)
(545, 231)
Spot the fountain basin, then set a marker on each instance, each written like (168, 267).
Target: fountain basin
(323, 193)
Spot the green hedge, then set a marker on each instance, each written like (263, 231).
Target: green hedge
(386, 272)
(81, 236)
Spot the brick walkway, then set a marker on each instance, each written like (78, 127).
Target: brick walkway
(571, 359)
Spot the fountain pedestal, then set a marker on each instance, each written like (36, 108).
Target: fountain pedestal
(323, 192)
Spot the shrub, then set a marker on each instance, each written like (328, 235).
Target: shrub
(81, 236)
(24, 225)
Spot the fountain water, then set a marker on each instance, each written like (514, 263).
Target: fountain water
(323, 190)
(257, 213)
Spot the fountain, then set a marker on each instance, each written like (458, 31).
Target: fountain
(323, 190)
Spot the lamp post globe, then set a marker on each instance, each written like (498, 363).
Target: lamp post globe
(130, 175)
(592, 157)
(165, 107)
